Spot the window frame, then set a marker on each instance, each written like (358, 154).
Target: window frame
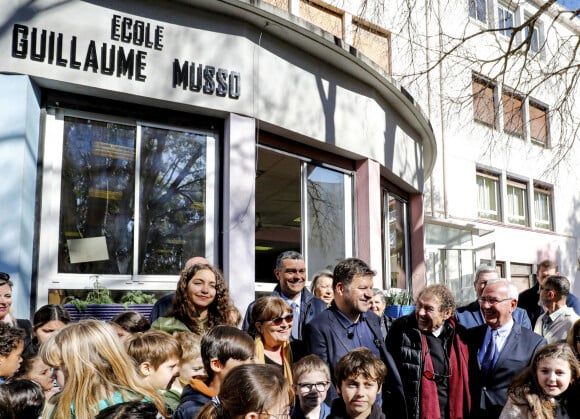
(475, 16)
(388, 281)
(494, 215)
(502, 28)
(272, 143)
(522, 188)
(543, 111)
(49, 274)
(487, 88)
(549, 193)
(513, 102)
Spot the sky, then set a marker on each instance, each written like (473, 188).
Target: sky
(570, 4)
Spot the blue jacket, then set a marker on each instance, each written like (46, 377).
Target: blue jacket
(470, 316)
(327, 338)
(489, 391)
(191, 402)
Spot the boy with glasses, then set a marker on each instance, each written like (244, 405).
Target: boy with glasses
(311, 382)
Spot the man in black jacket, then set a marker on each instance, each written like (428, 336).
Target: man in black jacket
(431, 356)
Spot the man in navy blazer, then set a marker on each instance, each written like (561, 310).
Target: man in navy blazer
(471, 315)
(498, 350)
(347, 325)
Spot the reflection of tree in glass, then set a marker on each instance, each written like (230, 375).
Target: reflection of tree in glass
(97, 190)
(325, 198)
(172, 199)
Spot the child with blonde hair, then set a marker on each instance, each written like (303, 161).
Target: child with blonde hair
(311, 382)
(190, 366)
(155, 355)
(98, 372)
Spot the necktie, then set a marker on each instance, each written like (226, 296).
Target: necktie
(490, 352)
(296, 321)
(546, 323)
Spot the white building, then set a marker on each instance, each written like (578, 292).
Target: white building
(505, 188)
(134, 135)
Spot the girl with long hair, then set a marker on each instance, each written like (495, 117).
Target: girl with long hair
(201, 302)
(542, 391)
(98, 372)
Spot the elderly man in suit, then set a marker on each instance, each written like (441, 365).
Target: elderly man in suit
(499, 350)
(471, 315)
(347, 325)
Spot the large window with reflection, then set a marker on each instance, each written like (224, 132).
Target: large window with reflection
(134, 198)
(396, 240)
(300, 206)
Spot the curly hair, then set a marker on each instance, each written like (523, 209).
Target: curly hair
(443, 294)
(219, 311)
(10, 338)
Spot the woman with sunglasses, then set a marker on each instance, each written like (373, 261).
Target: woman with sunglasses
(271, 327)
(6, 309)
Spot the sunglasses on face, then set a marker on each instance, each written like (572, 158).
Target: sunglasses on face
(278, 320)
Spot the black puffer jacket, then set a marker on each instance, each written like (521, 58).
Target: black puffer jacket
(404, 344)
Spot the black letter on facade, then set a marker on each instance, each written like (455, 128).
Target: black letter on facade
(140, 66)
(19, 41)
(222, 82)
(195, 77)
(40, 55)
(73, 54)
(235, 85)
(107, 69)
(179, 74)
(125, 63)
(209, 84)
(91, 59)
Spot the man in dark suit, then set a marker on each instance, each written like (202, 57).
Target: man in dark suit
(499, 350)
(528, 299)
(346, 325)
(471, 315)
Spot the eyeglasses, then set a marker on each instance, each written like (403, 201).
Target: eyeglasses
(492, 301)
(278, 320)
(435, 376)
(307, 387)
(4, 276)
